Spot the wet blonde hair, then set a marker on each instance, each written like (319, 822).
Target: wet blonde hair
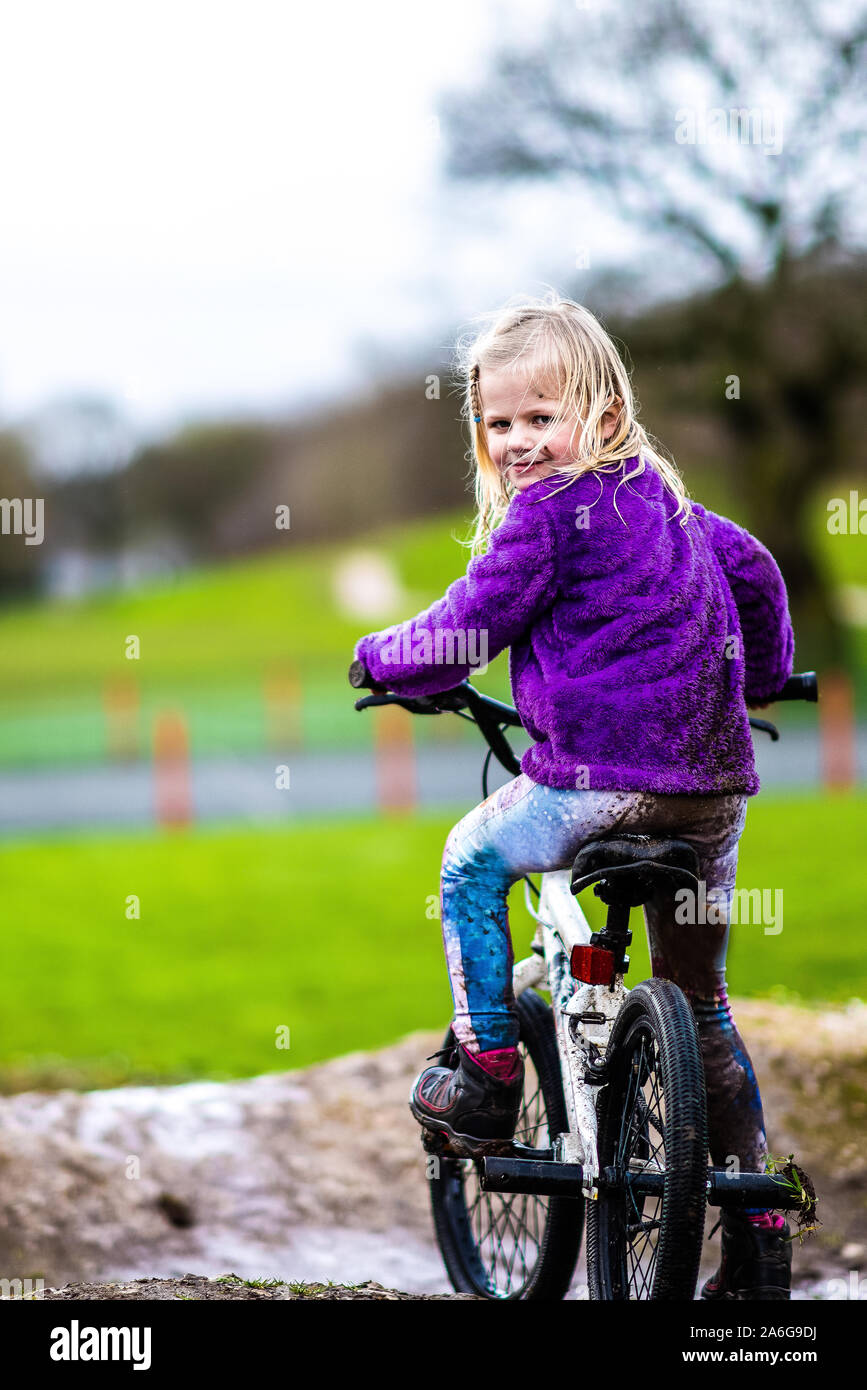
(558, 343)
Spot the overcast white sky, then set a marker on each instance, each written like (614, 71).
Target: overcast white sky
(221, 205)
(210, 206)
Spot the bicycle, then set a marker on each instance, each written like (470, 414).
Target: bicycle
(613, 1123)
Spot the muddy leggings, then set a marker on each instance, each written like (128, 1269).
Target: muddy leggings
(528, 828)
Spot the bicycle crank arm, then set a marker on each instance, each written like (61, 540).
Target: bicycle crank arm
(541, 1177)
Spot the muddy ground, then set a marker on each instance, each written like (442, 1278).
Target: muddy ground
(194, 1288)
(318, 1177)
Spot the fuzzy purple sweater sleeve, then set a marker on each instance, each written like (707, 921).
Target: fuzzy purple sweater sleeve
(488, 608)
(759, 592)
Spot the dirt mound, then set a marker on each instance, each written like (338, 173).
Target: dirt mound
(194, 1288)
(319, 1176)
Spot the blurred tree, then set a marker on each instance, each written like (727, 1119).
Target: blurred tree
(794, 436)
(88, 512)
(19, 563)
(398, 452)
(80, 446)
(183, 485)
(78, 434)
(732, 136)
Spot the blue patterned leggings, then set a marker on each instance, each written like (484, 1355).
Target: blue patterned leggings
(528, 828)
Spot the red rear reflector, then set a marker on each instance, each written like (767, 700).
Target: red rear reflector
(592, 964)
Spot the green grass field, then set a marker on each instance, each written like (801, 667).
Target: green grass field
(324, 930)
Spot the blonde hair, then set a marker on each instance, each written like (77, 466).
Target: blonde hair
(560, 343)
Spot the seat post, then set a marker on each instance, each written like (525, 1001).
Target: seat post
(617, 920)
(615, 936)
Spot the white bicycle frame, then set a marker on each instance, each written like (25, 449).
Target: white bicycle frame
(583, 1014)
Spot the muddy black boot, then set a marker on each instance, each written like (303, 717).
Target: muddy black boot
(756, 1262)
(475, 1110)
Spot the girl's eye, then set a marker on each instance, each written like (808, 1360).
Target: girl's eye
(495, 424)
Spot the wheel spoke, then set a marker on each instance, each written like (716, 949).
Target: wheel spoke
(497, 1239)
(507, 1229)
(637, 1151)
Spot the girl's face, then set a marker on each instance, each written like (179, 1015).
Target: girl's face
(516, 411)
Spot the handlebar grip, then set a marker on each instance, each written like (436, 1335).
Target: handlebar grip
(804, 686)
(359, 676)
(361, 679)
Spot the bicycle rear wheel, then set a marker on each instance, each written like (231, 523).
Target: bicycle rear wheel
(652, 1124)
(512, 1245)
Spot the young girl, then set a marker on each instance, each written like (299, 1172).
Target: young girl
(641, 628)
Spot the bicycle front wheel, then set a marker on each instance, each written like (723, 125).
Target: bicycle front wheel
(513, 1245)
(645, 1231)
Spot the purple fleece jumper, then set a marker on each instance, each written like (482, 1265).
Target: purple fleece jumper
(635, 646)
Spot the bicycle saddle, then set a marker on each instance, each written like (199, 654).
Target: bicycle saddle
(631, 868)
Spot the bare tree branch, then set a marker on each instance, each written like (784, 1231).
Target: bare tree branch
(557, 108)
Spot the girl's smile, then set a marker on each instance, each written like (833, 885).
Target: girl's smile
(517, 412)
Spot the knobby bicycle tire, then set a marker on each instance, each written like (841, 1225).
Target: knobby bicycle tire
(652, 1111)
(459, 1206)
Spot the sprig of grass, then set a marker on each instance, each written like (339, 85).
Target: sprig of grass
(298, 1286)
(796, 1180)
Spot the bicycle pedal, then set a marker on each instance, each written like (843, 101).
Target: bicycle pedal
(460, 1146)
(434, 1141)
(481, 1148)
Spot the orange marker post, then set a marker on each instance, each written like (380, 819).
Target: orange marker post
(283, 703)
(837, 723)
(396, 779)
(121, 703)
(173, 783)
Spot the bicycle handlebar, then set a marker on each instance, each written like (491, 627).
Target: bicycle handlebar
(800, 687)
(360, 677)
(489, 714)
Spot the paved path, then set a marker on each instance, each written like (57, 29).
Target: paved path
(321, 783)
